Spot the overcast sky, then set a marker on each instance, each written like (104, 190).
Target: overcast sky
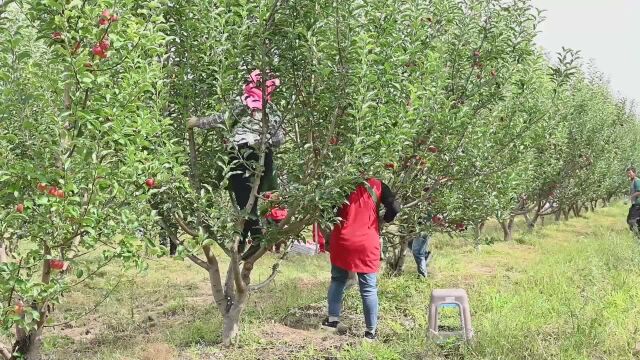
(607, 31)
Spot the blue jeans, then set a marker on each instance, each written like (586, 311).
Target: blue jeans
(368, 292)
(420, 254)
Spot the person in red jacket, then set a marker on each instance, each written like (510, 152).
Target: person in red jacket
(355, 247)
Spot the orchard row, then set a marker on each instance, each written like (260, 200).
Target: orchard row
(449, 102)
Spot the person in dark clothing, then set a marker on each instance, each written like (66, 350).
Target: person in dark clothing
(634, 198)
(355, 247)
(244, 155)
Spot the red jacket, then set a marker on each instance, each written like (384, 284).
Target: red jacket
(355, 240)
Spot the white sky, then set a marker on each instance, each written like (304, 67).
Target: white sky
(606, 31)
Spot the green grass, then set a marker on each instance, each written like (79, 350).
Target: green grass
(567, 291)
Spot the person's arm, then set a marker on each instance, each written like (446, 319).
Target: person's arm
(215, 120)
(390, 203)
(206, 122)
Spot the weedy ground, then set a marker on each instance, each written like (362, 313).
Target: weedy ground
(568, 290)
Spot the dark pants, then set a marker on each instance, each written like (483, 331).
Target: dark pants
(167, 225)
(632, 218)
(241, 186)
(165, 240)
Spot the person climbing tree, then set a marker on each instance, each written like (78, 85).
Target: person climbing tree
(244, 149)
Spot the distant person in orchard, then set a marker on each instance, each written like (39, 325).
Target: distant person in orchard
(634, 198)
(355, 247)
(420, 245)
(246, 119)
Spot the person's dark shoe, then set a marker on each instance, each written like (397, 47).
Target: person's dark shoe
(369, 336)
(330, 325)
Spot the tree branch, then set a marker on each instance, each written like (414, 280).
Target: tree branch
(174, 239)
(220, 298)
(4, 352)
(234, 265)
(274, 271)
(184, 226)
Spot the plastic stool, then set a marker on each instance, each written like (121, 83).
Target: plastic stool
(452, 297)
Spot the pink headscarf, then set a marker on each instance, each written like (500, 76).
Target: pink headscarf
(252, 96)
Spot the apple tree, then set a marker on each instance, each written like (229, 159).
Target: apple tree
(81, 91)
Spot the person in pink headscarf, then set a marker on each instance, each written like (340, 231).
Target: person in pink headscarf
(245, 142)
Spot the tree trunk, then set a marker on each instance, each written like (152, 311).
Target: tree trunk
(478, 233)
(531, 223)
(231, 321)
(565, 212)
(576, 210)
(395, 262)
(507, 229)
(557, 215)
(28, 345)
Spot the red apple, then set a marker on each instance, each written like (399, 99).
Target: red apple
(56, 36)
(103, 22)
(60, 194)
(19, 309)
(20, 208)
(105, 44)
(333, 140)
(57, 264)
(150, 182)
(390, 166)
(114, 18)
(99, 52)
(432, 149)
(106, 14)
(53, 190)
(460, 226)
(42, 187)
(437, 219)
